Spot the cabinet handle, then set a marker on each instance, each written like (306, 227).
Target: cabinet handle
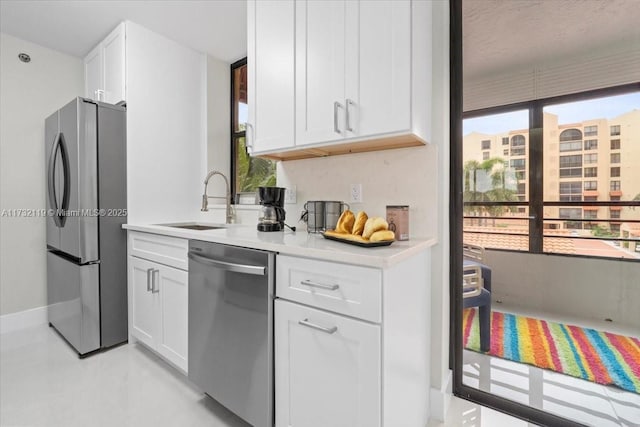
(97, 95)
(319, 285)
(248, 145)
(336, 105)
(149, 279)
(348, 119)
(308, 324)
(154, 290)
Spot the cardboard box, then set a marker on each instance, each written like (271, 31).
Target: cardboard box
(398, 219)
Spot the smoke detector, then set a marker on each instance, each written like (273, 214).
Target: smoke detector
(24, 57)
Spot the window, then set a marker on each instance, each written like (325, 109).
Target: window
(571, 213)
(518, 145)
(570, 191)
(590, 158)
(505, 140)
(590, 130)
(518, 164)
(591, 144)
(505, 152)
(486, 144)
(563, 171)
(571, 146)
(571, 135)
(590, 186)
(590, 214)
(614, 198)
(571, 166)
(614, 214)
(247, 173)
(485, 155)
(615, 157)
(615, 130)
(615, 228)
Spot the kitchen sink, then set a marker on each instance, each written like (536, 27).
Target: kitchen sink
(193, 226)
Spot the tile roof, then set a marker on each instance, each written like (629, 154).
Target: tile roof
(519, 240)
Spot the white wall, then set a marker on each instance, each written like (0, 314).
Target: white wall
(29, 93)
(166, 127)
(406, 176)
(585, 288)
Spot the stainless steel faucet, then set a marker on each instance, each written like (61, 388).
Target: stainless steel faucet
(205, 198)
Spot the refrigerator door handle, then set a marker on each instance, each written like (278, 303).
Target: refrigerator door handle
(53, 199)
(66, 192)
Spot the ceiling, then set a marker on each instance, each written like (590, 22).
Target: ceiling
(216, 27)
(499, 35)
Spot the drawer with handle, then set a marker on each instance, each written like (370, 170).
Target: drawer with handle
(346, 289)
(166, 250)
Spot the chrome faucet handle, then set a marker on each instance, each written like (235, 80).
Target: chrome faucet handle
(205, 203)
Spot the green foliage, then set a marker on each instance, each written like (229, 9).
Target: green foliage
(599, 231)
(253, 172)
(497, 169)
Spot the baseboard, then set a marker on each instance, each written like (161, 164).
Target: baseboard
(440, 399)
(23, 319)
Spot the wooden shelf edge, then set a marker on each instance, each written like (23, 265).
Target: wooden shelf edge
(379, 144)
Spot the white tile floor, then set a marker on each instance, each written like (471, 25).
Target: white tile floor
(586, 402)
(43, 383)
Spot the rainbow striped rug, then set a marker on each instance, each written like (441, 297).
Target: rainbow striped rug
(595, 356)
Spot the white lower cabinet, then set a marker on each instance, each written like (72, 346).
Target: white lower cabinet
(327, 369)
(352, 343)
(158, 303)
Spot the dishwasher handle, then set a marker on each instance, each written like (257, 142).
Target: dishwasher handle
(229, 266)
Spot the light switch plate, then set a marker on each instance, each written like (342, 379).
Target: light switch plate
(290, 196)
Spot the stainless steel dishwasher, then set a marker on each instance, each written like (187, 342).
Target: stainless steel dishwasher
(231, 292)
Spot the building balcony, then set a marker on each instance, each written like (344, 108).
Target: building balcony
(590, 208)
(590, 193)
(615, 193)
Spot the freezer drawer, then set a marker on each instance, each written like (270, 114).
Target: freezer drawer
(74, 302)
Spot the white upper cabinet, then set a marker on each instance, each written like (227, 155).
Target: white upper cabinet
(378, 67)
(104, 69)
(362, 75)
(353, 69)
(270, 73)
(320, 71)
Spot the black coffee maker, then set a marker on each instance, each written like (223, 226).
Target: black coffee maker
(272, 213)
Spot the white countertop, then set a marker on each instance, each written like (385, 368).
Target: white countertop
(299, 243)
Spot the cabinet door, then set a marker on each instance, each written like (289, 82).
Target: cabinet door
(113, 49)
(170, 287)
(320, 78)
(325, 377)
(143, 312)
(378, 68)
(93, 76)
(270, 74)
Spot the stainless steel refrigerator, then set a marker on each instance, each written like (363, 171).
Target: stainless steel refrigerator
(85, 152)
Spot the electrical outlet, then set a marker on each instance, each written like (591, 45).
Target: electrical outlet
(355, 193)
(290, 196)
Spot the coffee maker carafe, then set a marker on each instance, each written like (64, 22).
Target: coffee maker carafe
(272, 213)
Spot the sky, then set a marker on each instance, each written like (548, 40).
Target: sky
(573, 112)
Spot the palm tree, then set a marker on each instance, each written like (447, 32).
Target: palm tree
(498, 192)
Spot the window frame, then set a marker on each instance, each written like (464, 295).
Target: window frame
(535, 176)
(233, 134)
